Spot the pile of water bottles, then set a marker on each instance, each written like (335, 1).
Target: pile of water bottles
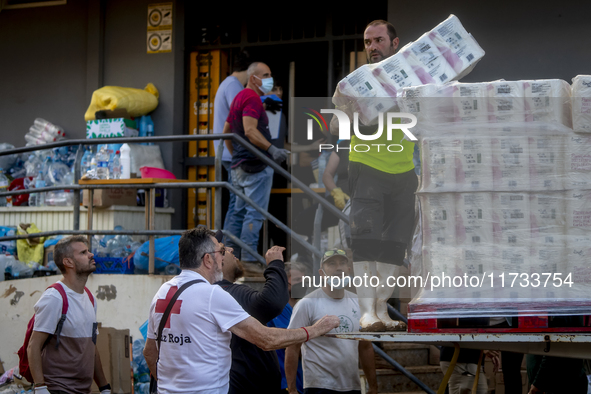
(54, 167)
(114, 245)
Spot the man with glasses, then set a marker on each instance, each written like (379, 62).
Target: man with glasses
(330, 364)
(253, 369)
(194, 353)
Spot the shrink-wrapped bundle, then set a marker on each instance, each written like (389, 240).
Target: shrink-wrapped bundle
(439, 219)
(546, 161)
(395, 74)
(470, 102)
(577, 167)
(547, 215)
(511, 221)
(458, 46)
(505, 102)
(510, 155)
(427, 62)
(548, 100)
(438, 158)
(581, 103)
(474, 219)
(361, 92)
(473, 164)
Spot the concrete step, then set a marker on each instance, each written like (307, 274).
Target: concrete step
(406, 354)
(393, 381)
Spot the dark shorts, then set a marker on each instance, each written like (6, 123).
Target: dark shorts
(382, 213)
(314, 390)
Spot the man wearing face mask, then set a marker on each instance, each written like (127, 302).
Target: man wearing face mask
(253, 369)
(330, 364)
(250, 175)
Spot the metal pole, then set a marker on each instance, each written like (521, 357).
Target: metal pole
(399, 367)
(89, 213)
(218, 189)
(150, 210)
(76, 200)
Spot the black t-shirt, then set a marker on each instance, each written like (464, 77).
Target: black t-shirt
(253, 369)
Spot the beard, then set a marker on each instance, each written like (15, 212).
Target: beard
(86, 270)
(238, 271)
(218, 275)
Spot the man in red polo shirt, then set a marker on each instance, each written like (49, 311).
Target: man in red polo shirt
(250, 175)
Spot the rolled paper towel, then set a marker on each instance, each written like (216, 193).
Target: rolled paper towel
(546, 161)
(547, 217)
(578, 256)
(512, 259)
(439, 219)
(506, 102)
(581, 103)
(510, 157)
(470, 102)
(549, 101)
(395, 73)
(438, 158)
(578, 210)
(511, 218)
(474, 219)
(458, 47)
(366, 94)
(577, 166)
(424, 102)
(427, 62)
(473, 164)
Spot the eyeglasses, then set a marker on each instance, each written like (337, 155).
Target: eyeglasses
(329, 253)
(222, 251)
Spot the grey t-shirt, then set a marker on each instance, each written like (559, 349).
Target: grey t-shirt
(329, 363)
(224, 96)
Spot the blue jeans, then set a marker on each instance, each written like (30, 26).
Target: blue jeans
(246, 222)
(230, 213)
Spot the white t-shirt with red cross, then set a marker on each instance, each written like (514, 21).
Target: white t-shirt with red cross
(195, 350)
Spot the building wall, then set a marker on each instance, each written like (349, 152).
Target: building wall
(53, 58)
(522, 39)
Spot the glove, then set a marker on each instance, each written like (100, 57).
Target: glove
(272, 105)
(279, 155)
(41, 390)
(340, 198)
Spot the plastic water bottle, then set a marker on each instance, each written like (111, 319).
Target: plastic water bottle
(102, 162)
(85, 162)
(42, 124)
(125, 162)
(36, 140)
(150, 132)
(3, 187)
(41, 134)
(40, 182)
(116, 166)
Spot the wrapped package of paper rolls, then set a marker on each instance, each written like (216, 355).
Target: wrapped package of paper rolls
(581, 92)
(536, 105)
(446, 53)
(505, 201)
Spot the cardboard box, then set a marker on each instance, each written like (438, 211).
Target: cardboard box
(48, 256)
(115, 351)
(107, 128)
(103, 198)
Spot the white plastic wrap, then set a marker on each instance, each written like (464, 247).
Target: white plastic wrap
(577, 165)
(458, 46)
(541, 104)
(427, 62)
(581, 107)
(452, 54)
(506, 102)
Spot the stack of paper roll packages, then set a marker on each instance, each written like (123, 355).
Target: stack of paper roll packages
(505, 193)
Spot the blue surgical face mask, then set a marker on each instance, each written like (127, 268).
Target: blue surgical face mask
(267, 85)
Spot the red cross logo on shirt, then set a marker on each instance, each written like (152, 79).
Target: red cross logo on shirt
(162, 304)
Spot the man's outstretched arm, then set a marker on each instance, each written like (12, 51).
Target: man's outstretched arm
(268, 338)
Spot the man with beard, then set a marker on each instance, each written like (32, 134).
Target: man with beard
(253, 369)
(67, 362)
(193, 354)
(382, 186)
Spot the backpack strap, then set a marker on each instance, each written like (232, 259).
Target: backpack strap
(89, 295)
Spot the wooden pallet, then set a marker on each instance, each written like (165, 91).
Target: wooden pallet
(524, 321)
